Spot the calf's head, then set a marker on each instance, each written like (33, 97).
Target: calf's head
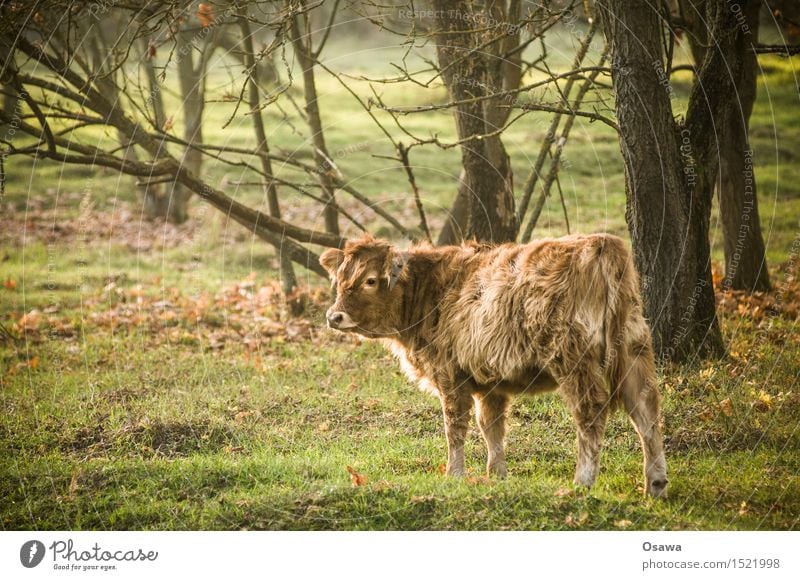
(365, 275)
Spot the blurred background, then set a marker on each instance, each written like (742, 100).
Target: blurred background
(171, 171)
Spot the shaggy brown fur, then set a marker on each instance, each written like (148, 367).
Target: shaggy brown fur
(476, 325)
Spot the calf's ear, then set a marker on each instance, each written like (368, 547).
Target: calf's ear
(397, 268)
(331, 259)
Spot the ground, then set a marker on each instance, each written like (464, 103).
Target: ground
(152, 376)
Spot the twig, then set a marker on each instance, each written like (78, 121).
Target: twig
(498, 95)
(149, 182)
(533, 176)
(423, 222)
(784, 49)
(554, 167)
(572, 113)
(563, 202)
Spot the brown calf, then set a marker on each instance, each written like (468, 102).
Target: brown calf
(478, 324)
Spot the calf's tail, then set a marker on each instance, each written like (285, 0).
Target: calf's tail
(623, 305)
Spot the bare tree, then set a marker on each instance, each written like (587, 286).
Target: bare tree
(481, 63)
(78, 96)
(745, 254)
(670, 168)
(302, 40)
(494, 68)
(288, 277)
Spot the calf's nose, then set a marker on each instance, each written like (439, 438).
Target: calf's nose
(335, 319)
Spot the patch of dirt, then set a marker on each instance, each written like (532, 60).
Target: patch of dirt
(122, 225)
(150, 438)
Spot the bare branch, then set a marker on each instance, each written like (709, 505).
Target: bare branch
(533, 176)
(423, 222)
(783, 49)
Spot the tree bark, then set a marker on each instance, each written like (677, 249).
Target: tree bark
(471, 72)
(669, 183)
(304, 53)
(192, 82)
(155, 201)
(745, 254)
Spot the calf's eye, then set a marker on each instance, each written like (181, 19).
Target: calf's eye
(371, 281)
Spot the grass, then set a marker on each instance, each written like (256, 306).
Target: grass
(223, 422)
(118, 433)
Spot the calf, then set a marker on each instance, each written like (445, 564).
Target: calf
(478, 324)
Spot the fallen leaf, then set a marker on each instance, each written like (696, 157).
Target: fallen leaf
(743, 508)
(706, 414)
(73, 484)
(763, 401)
(205, 14)
(727, 407)
(30, 321)
(357, 479)
(241, 416)
(563, 492)
(622, 524)
(10, 284)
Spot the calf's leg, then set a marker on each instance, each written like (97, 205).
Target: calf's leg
(587, 397)
(490, 409)
(641, 400)
(456, 406)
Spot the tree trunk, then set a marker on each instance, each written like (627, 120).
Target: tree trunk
(693, 14)
(304, 53)
(10, 99)
(745, 255)
(470, 73)
(192, 81)
(668, 189)
(155, 201)
(288, 278)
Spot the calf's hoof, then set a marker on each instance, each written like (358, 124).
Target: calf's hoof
(585, 476)
(455, 471)
(499, 470)
(657, 488)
